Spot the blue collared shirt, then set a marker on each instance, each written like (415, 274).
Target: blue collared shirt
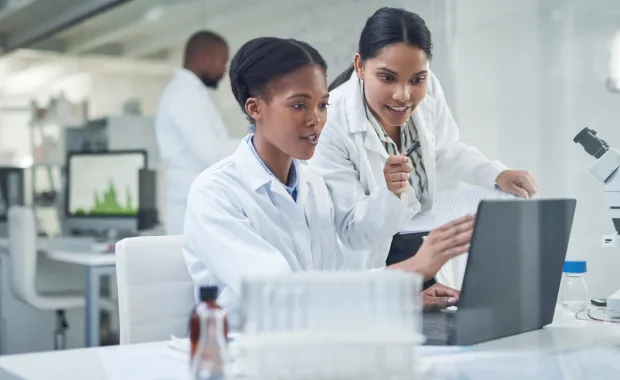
(291, 186)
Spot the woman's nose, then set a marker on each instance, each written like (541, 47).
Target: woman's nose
(402, 94)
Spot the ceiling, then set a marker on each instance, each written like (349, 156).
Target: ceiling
(25, 22)
(156, 29)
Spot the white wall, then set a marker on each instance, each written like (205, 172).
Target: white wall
(529, 76)
(325, 24)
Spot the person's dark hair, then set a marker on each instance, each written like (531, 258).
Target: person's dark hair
(385, 27)
(262, 59)
(203, 40)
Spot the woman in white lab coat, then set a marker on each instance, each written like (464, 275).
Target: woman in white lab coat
(389, 105)
(262, 212)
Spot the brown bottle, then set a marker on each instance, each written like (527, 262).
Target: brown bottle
(208, 296)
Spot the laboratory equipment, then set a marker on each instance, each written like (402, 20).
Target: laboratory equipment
(122, 132)
(102, 192)
(605, 169)
(327, 325)
(12, 193)
(574, 296)
(211, 360)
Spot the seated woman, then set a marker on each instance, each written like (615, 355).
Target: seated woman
(261, 211)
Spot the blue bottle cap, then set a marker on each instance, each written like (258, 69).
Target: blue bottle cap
(575, 267)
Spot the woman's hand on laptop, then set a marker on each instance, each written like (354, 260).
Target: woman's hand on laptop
(441, 245)
(439, 297)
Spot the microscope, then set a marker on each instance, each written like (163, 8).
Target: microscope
(605, 169)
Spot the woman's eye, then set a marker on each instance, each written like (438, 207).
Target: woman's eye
(419, 80)
(385, 77)
(298, 106)
(324, 105)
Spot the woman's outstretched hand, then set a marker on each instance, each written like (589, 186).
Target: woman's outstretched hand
(441, 245)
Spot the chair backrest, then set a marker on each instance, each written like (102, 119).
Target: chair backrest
(155, 290)
(23, 252)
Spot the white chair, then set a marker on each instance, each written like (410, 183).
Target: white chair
(155, 290)
(23, 256)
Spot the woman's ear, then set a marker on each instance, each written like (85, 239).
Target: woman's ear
(358, 65)
(252, 108)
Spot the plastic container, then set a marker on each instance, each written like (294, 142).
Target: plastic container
(329, 325)
(208, 298)
(575, 289)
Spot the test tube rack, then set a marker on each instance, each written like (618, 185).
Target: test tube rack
(329, 325)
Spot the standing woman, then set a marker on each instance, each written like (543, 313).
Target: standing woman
(389, 126)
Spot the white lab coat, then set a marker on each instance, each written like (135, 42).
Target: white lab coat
(191, 137)
(350, 156)
(241, 221)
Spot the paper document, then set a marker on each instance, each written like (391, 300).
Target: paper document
(452, 204)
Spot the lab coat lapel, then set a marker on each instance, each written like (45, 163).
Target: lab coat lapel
(249, 167)
(304, 194)
(427, 145)
(366, 139)
(277, 202)
(373, 144)
(293, 215)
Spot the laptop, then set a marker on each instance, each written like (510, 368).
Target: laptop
(513, 272)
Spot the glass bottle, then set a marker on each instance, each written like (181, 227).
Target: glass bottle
(575, 289)
(208, 297)
(210, 361)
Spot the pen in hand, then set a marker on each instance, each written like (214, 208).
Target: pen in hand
(416, 145)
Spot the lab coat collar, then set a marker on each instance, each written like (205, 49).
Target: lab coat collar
(355, 108)
(190, 78)
(256, 176)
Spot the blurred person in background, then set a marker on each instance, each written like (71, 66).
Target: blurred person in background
(190, 131)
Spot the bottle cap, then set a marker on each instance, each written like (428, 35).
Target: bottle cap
(208, 293)
(575, 267)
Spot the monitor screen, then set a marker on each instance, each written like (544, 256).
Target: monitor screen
(104, 184)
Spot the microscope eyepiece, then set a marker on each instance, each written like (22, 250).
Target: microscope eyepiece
(592, 144)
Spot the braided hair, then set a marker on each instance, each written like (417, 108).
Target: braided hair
(262, 59)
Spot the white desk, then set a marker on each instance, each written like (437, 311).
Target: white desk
(156, 361)
(134, 362)
(97, 265)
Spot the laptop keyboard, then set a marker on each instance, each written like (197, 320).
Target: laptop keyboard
(437, 327)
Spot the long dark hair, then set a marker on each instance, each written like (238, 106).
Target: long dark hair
(385, 27)
(262, 59)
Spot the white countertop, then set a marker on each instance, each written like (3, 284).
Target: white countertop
(543, 354)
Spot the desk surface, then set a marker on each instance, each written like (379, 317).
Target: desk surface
(74, 255)
(83, 258)
(158, 361)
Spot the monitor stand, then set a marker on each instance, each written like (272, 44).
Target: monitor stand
(105, 228)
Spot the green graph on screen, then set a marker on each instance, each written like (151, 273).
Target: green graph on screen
(108, 203)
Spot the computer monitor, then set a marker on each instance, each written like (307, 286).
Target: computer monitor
(104, 184)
